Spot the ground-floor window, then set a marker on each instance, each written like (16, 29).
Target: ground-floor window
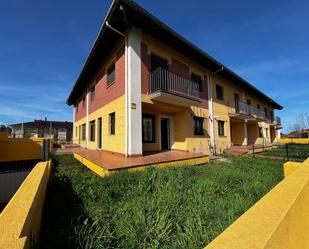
(148, 128)
(112, 122)
(76, 132)
(92, 131)
(84, 132)
(260, 132)
(198, 125)
(221, 128)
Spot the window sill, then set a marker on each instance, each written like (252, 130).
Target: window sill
(109, 85)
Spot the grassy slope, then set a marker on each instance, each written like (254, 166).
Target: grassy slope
(182, 207)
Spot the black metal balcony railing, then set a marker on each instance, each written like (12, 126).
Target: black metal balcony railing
(166, 81)
(277, 121)
(243, 108)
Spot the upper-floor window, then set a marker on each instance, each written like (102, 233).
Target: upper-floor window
(219, 92)
(248, 102)
(198, 125)
(76, 108)
(221, 130)
(92, 130)
(111, 74)
(198, 79)
(157, 62)
(92, 94)
(112, 122)
(84, 102)
(258, 106)
(266, 112)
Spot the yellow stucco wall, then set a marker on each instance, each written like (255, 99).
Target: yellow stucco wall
(17, 149)
(115, 143)
(237, 133)
(184, 138)
(160, 49)
(182, 129)
(21, 218)
(279, 220)
(222, 108)
(293, 140)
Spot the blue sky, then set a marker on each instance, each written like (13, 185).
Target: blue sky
(44, 44)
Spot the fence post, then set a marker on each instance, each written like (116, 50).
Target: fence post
(45, 150)
(253, 150)
(287, 152)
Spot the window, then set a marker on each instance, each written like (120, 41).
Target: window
(111, 74)
(221, 128)
(112, 121)
(92, 94)
(248, 102)
(92, 131)
(76, 109)
(266, 112)
(76, 131)
(148, 128)
(219, 92)
(84, 132)
(258, 106)
(198, 79)
(198, 125)
(260, 132)
(84, 102)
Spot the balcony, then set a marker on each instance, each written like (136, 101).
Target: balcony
(243, 110)
(171, 88)
(277, 122)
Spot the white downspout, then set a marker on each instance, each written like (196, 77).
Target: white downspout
(87, 118)
(211, 115)
(211, 111)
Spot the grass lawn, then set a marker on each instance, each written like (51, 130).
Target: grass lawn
(298, 152)
(184, 207)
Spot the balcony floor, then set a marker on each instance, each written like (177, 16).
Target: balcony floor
(108, 161)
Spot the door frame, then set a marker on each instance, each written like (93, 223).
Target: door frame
(171, 131)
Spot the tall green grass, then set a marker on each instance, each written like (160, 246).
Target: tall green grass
(183, 207)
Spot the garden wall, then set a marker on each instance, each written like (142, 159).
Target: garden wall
(293, 140)
(21, 218)
(279, 220)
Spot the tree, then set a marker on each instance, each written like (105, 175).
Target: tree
(301, 122)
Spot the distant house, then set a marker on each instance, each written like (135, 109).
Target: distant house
(298, 134)
(59, 130)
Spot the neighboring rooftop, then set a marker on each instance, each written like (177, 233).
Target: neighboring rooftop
(43, 122)
(125, 13)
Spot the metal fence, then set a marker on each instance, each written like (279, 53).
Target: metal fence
(164, 80)
(288, 152)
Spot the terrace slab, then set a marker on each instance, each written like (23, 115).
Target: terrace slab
(109, 161)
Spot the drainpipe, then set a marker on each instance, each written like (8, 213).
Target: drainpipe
(211, 112)
(126, 85)
(87, 119)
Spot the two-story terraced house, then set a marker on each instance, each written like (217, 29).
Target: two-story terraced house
(146, 88)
